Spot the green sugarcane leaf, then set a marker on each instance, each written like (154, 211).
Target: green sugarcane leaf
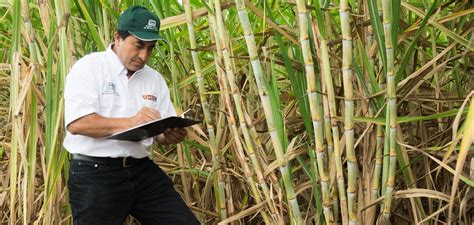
(378, 31)
(91, 25)
(408, 53)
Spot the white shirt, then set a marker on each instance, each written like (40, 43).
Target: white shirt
(98, 83)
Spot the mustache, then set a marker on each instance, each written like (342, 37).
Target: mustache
(137, 59)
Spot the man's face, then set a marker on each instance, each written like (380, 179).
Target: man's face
(133, 52)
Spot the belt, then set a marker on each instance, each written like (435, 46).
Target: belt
(120, 161)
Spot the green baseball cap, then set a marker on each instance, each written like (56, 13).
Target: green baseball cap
(141, 23)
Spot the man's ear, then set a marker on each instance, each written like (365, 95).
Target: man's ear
(117, 38)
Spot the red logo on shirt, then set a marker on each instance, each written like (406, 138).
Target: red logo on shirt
(149, 97)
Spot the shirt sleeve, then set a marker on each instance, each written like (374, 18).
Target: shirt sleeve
(81, 91)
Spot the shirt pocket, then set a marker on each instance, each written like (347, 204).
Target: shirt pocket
(109, 103)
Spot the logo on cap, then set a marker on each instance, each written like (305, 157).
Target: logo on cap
(151, 25)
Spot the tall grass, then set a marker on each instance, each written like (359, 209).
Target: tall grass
(316, 112)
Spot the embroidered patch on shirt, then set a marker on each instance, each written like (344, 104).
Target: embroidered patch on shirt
(110, 89)
(149, 97)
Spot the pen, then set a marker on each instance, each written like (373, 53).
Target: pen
(184, 113)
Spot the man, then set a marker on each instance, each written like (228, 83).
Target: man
(111, 91)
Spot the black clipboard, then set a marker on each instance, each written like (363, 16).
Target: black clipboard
(153, 128)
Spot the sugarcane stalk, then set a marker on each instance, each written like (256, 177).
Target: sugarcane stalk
(377, 170)
(30, 109)
(248, 174)
(224, 53)
(268, 110)
(217, 175)
(329, 88)
(14, 90)
(386, 150)
(223, 81)
(332, 158)
(314, 102)
(377, 176)
(391, 107)
(352, 167)
(330, 151)
(330, 113)
(375, 186)
(54, 115)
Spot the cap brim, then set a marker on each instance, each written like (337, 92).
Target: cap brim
(147, 36)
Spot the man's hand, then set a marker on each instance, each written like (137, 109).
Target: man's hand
(145, 115)
(172, 136)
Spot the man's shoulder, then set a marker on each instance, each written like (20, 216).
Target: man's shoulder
(152, 73)
(93, 57)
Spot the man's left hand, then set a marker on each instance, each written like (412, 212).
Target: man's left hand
(172, 136)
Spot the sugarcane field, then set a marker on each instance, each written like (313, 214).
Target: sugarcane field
(337, 112)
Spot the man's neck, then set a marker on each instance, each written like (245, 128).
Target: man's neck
(130, 74)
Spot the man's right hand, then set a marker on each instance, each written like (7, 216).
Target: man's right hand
(144, 115)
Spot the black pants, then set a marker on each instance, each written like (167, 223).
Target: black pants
(106, 193)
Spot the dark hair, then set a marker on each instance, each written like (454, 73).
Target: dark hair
(123, 34)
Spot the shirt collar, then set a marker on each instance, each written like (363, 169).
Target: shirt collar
(115, 64)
